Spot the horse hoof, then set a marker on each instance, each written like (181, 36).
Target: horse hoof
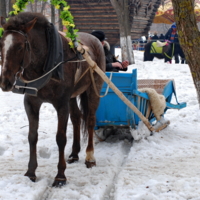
(59, 182)
(90, 164)
(32, 178)
(72, 160)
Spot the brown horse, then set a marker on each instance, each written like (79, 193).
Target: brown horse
(24, 49)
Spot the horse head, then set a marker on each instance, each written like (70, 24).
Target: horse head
(15, 50)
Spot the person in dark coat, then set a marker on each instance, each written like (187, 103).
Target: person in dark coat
(172, 36)
(112, 64)
(162, 38)
(155, 37)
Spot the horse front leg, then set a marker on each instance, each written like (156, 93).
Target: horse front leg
(75, 115)
(61, 139)
(32, 107)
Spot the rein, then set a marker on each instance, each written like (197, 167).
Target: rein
(31, 87)
(69, 60)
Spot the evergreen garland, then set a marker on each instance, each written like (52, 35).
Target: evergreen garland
(65, 15)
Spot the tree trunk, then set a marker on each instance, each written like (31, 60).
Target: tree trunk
(35, 7)
(3, 8)
(121, 8)
(43, 6)
(60, 26)
(189, 37)
(10, 8)
(31, 7)
(53, 20)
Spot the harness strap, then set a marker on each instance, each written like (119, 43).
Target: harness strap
(94, 85)
(172, 52)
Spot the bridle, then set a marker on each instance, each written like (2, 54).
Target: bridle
(31, 87)
(27, 48)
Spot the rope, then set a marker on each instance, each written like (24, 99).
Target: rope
(93, 81)
(82, 76)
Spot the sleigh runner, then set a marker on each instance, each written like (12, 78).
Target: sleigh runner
(112, 112)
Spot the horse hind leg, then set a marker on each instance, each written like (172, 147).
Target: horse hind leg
(90, 159)
(32, 110)
(92, 105)
(75, 115)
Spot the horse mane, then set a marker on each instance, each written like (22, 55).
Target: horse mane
(17, 22)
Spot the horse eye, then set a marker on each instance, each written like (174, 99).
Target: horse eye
(19, 48)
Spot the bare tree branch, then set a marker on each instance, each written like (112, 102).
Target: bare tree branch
(43, 6)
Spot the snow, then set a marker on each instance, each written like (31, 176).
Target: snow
(164, 166)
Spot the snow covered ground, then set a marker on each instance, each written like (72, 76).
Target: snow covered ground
(164, 166)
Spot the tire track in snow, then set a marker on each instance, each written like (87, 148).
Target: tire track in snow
(116, 152)
(46, 193)
(109, 194)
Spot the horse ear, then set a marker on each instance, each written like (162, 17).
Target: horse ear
(2, 21)
(30, 25)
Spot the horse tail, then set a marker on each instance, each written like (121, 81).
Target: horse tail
(85, 112)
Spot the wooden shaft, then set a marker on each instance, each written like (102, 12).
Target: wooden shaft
(113, 87)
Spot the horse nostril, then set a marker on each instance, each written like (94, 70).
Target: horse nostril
(6, 85)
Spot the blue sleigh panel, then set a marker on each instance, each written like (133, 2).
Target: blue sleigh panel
(112, 111)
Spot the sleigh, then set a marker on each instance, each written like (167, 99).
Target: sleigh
(112, 113)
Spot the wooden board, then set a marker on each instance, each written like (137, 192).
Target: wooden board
(92, 15)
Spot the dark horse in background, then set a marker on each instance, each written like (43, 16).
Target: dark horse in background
(168, 52)
(24, 45)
